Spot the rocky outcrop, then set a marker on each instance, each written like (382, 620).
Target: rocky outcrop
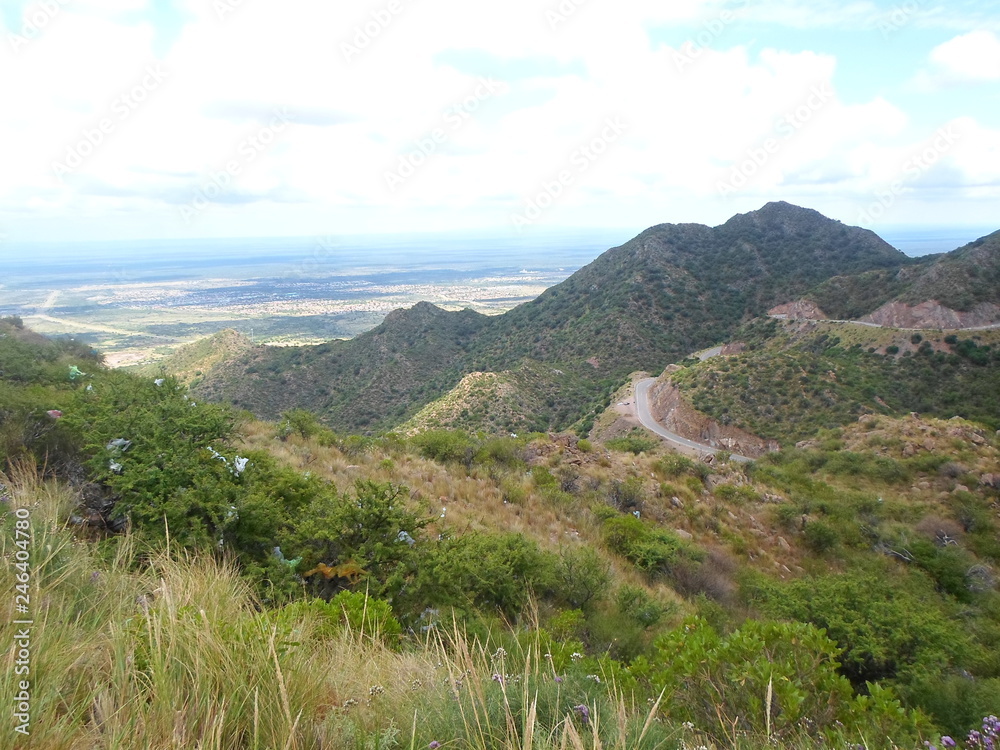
(669, 408)
(801, 309)
(933, 315)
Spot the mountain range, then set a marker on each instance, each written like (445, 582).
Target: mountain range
(554, 362)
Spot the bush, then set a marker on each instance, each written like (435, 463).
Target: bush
(504, 452)
(654, 551)
(721, 683)
(628, 495)
(674, 465)
(174, 470)
(887, 627)
(445, 446)
(299, 422)
(495, 574)
(352, 610)
(633, 444)
(820, 537)
(371, 528)
(636, 603)
(582, 576)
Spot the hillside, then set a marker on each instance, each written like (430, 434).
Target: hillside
(798, 376)
(956, 289)
(190, 361)
(511, 401)
(673, 289)
(371, 382)
(211, 580)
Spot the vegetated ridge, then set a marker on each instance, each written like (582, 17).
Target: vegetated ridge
(959, 289)
(795, 377)
(673, 289)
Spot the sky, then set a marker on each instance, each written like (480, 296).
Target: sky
(164, 119)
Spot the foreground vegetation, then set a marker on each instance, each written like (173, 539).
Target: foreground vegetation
(200, 578)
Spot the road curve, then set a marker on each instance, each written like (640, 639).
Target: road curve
(646, 419)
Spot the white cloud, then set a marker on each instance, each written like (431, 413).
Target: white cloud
(974, 56)
(966, 59)
(685, 124)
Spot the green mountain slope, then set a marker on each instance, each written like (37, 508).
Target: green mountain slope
(959, 280)
(672, 289)
(963, 278)
(369, 382)
(796, 378)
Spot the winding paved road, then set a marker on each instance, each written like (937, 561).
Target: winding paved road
(642, 387)
(646, 419)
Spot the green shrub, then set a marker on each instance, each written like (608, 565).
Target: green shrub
(636, 603)
(626, 495)
(582, 576)
(722, 682)
(654, 551)
(888, 626)
(820, 537)
(299, 422)
(445, 446)
(371, 527)
(542, 477)
(364, 616)
(495, 573)
(568, 624)
(176, 471)
(633, 444)
(504, 452)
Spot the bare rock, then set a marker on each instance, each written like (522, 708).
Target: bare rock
(990, 480)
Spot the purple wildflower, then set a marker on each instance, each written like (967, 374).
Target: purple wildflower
(584, 713)
(948, 741)
(434, 745)
(558, 678)
(498, 678)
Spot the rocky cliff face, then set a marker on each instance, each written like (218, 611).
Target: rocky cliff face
(673, 412)
(933, 315)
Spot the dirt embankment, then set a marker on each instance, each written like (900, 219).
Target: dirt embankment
(673, 412)
(801, 309)
(933, 315)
